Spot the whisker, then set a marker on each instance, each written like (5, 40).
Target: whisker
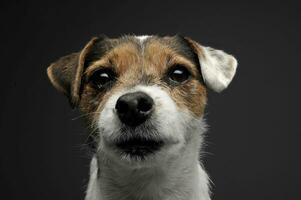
(91, 134)
(83, 115)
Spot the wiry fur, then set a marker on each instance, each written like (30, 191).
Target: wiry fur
(142, 64)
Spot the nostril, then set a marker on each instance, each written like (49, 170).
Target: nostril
(145, 104)
(122, 106)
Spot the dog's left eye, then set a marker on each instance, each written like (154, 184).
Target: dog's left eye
(178, 74)
(102, 77)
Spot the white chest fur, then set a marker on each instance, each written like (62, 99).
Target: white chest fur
(181, 178)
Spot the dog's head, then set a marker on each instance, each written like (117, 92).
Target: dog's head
(145, 96)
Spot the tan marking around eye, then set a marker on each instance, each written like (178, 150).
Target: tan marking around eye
(133, 63)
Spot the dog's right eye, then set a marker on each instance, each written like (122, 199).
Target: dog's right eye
(101, 78)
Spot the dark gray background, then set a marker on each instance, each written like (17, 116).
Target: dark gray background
(253, 143)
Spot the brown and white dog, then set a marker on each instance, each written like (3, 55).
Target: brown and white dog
(144, 97)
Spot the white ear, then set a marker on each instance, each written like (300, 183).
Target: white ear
(218, 68)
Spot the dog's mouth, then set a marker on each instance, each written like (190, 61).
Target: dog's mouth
(139, 147)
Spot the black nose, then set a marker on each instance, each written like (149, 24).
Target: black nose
(134, 108)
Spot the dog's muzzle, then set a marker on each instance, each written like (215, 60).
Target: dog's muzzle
(135, 108)
(137, 136)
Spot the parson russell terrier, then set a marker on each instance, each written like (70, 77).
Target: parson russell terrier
(144, 99)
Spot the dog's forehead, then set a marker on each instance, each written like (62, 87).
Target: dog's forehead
(176, 43)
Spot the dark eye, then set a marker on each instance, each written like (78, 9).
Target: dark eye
(179, 74)
(102, 77)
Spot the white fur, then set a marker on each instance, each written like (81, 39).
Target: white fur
(218, 68)
(142, 38)
(172, 173)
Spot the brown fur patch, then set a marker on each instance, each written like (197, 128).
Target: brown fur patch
(147, 63)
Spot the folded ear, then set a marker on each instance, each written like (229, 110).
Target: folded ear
(218, 68)
(65, 74)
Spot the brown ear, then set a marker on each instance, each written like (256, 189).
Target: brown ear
(66, 73)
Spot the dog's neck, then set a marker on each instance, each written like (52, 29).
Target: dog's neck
(177, 179)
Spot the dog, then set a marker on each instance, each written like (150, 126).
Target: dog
(144, 99)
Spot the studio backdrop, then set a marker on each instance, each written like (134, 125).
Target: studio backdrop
(252, 144)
